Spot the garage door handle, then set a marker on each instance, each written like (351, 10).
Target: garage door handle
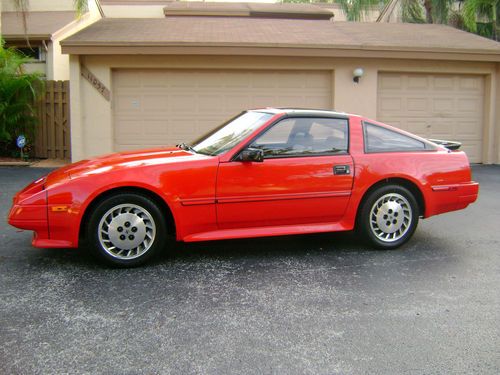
(341, 169)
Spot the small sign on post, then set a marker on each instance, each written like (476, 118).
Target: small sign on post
(21, 142)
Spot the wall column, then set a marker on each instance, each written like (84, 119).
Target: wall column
(496, 115)
(77, 138)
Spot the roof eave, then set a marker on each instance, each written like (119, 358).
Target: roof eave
(31, 37)
(84, 48)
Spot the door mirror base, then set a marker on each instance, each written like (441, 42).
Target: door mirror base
(251, 154)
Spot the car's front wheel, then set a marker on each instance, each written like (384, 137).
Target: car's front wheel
(126, 230)
(388, 217)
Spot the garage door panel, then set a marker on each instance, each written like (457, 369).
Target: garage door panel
(312, 100)
(210, 103)
(470, 106)
(471, 84)
(441, 130)
(289, 80)
(122, 82)
(417, 126)
(390, 82)
(468, 130)
(151, 80)
(128, 104)
(179, 104)
(435, 106)
(443, 106)
(443, 83)
(154, 103)
(416, 105)
(392, 104)
(129, 131)
(238, 101)
(317, 82)
(416, 82)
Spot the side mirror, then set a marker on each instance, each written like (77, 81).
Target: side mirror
(251, 154)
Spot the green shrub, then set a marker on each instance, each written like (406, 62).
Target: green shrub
(18, 94)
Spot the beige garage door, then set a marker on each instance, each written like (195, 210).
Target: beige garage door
(165, 107)
(435, 106)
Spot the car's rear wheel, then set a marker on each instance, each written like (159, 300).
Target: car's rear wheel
(388, 217)
(126, 230)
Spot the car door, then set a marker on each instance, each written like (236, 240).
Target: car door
(306, 176)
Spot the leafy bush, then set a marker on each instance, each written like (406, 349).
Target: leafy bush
(18, 94)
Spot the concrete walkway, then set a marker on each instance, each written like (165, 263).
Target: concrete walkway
(50, 163)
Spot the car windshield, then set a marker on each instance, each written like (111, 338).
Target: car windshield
(230, 133)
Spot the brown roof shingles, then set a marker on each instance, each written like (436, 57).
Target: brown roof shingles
(253, 32)
(40, 25)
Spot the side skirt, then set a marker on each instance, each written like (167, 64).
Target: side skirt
(280, 230)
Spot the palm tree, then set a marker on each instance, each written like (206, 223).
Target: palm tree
(355, 10)
(419, 11)
(484, 10)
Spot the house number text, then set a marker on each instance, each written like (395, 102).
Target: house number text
(94, 81)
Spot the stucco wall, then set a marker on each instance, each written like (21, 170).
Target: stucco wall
(40, 5)
(135, 11)
(495, 113)
(91, 117)
(57, 62)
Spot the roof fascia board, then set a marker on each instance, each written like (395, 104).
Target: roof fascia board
(23, 37)
(459, 55)
(74, 23)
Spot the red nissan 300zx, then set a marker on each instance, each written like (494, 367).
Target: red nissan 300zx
(266, 172)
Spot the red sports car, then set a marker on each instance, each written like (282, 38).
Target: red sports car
(266, 172)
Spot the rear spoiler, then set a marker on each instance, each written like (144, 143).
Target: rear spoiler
(450, 145)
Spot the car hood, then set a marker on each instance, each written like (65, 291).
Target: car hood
(122, 160)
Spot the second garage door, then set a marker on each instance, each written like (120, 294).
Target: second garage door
(437, 106)
(165, 107)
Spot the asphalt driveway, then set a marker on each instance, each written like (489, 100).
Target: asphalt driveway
(320, 304)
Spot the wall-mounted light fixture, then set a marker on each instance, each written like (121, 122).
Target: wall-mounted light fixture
(357, 74)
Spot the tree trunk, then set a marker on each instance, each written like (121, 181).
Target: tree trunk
(494, 20)
(428, 11)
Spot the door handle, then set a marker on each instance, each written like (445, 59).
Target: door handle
(341, 169)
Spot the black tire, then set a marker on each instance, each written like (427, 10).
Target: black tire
(388, 217)
(126, 230)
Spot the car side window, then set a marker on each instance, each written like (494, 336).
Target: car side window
(303, 137)
(380, 139)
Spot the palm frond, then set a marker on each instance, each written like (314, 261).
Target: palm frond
(412, 11)
(81, 6)
(486, 11)
(18, 94)
(357, 10)
(441, 10)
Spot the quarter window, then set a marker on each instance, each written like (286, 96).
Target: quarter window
(380, 139)
(304, 136)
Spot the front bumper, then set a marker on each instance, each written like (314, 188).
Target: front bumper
(29, 209)
(30, 212)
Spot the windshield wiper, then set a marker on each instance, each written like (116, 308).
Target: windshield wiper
(185, 146)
